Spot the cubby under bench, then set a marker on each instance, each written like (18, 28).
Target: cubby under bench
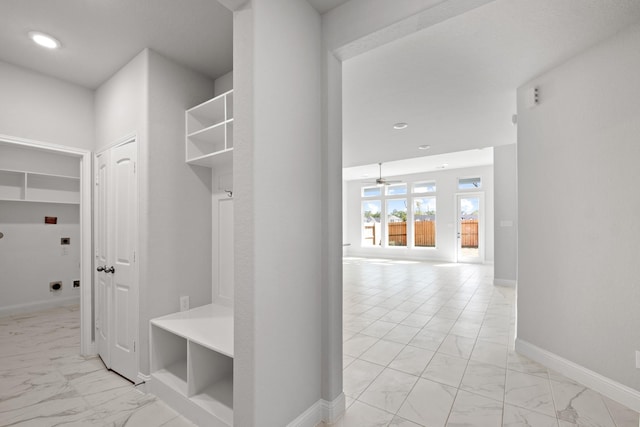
(192, 363)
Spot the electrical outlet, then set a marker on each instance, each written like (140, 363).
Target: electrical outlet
(184, 303)
(638, 359)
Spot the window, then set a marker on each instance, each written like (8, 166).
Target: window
(424, 222)
(405, 213)
(469, 183)
(397, 222)
(370, 191)
(424, 187)
(371, 211)
(396, 189)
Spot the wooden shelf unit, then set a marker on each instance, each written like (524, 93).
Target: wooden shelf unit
(209, 132)
(192, 363)
(39, 187)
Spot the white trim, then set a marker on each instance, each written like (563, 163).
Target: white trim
(86, 245)
(329, 412)
(130, 137)
(603, 385)
(141, 382)
(39, 305)
(507, 283)
(332, 411)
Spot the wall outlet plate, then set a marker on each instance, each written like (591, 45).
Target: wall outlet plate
(184, 303)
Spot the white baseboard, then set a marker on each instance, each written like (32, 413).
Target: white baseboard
(39, 305)
(612, 389)
(507, 283)
(322, 410)
(141, 381)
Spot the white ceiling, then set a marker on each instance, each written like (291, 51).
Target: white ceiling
(323, 6)
(439, 162)
(455, 82)
(99, 37)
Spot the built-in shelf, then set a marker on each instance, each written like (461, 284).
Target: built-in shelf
(209, 132)
(192, 363)
(39, 187)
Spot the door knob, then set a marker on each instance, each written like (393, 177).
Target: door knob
(110, 269)
(100, 268)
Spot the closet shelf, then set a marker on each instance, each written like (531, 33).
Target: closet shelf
(209, 132)
(38, 187)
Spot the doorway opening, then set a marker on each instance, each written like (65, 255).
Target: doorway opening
(469, 224)
(87, 346)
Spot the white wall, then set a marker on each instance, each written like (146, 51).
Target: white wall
(277, 177)
(41, 108)
(148, 97)
(30, 252)
(121, 104)
(31, 255)
(446, 241)
(178, 221)
(579, 235)
(506, 214)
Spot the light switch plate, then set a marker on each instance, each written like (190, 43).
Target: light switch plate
(184, 303)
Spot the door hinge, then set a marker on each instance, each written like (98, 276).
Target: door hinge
(134, 167)
(134, 256)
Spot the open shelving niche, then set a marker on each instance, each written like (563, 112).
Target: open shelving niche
(192, 363)
(38, 187)
(192, 350)
(209, 132)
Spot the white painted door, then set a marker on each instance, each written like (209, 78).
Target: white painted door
(470, 238)
(103, 281)
(116, 237)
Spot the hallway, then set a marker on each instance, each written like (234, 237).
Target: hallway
(431, 344)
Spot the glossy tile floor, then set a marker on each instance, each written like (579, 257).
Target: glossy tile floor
(429, 344)
(425, 345)
(44, 382)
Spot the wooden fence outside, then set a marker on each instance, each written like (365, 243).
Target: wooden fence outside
(469, 233)
(373, 233)
(424, 233)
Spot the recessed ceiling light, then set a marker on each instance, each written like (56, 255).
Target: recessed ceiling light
(424, 147)
(400, 126)
(44, 40)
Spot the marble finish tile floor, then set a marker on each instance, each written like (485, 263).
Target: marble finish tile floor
(44, 382)
(431, 344)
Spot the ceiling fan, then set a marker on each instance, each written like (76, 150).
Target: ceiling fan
(383, 181)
